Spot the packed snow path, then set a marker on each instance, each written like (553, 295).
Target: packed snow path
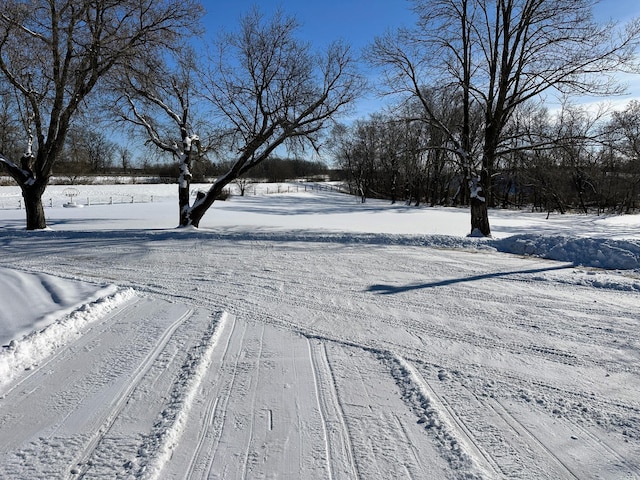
(334, 361)
(97, 402)
(158, 390)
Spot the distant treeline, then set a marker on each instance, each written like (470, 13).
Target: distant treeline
(571, 160)
(280, 169)
(74, 167)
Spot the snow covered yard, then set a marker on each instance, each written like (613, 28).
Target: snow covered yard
(308, 336)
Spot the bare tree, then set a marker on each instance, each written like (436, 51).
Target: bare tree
(500, 54)
(54, 54)
(155, 96)
(627, 125)
(264, 87)
(243, 183)
(87, 150)
(124, 157)
(268, 89)
(625, 133)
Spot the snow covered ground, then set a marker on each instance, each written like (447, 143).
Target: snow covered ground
(303, 335)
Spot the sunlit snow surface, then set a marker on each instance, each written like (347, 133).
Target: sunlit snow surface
(302, 334)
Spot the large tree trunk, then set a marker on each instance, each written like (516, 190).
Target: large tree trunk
(184, 187)
(32, 195)
(189, 143)
(183, 204)
(479, 218)
(481, 188)
(479, 211)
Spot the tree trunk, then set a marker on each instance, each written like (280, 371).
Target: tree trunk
(479, 218)
(189, 143)
(32, 195)
(479, 212)
(183, 202)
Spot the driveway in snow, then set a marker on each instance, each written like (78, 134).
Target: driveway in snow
(293, 359)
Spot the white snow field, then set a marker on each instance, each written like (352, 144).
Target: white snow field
(304, 335)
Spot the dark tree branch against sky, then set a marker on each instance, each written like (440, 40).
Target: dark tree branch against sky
(53, 55)
(358, 22)
(265, 87)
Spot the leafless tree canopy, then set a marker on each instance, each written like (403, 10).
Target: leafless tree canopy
(471, 77)
(267, 88)
(156, 97)
(267, 84)
(501, 54)
(53, 54)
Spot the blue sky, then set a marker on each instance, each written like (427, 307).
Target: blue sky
(358, 22)
(322, 21)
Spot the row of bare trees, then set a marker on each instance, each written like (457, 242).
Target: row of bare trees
(498, 56)
(468, 77)
(572, 158)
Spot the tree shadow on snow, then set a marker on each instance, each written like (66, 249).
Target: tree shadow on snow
(381, 289)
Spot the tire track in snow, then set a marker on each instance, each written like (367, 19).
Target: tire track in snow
(246, 463)
(431, 330)
(161, 441)
(235, 289)
(301, 302)
(140, 440)
(598, 442)
(207, 433)
(125, 396)
(459, 447)
(314, 301)
(516, 453)
(335, 430)
(82, 390)
(382, 429)
(529, 451)
(247, 296)
(305, 299)
(263, 424)
(263, 419)
(539, 449)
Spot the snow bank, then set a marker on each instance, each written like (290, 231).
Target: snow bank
(587, 252)
(30, 350)
(33, 300)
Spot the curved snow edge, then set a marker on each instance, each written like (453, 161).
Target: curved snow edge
(33, 348)
(595, 252)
